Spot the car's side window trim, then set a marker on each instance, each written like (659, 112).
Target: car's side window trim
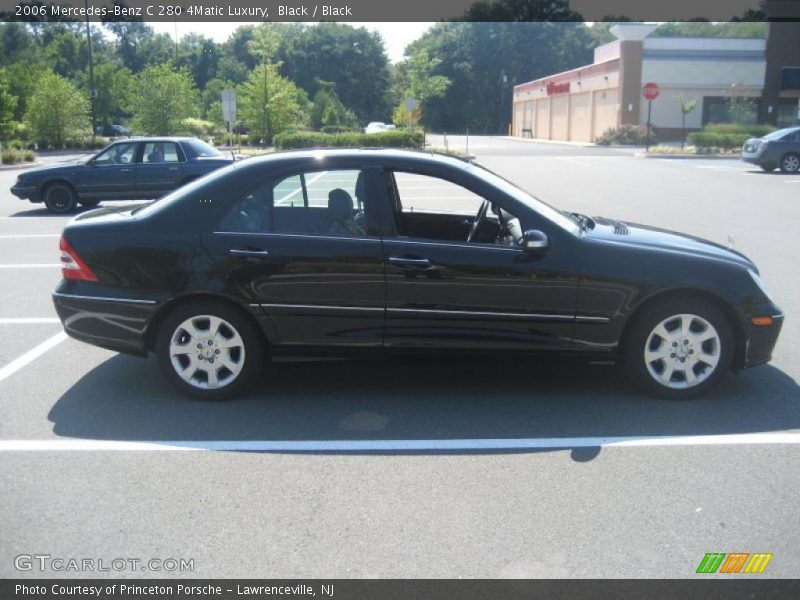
(397, 205)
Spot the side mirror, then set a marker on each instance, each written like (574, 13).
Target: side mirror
(534, 240)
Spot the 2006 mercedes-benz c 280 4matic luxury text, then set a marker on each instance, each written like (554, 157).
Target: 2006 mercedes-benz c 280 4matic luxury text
(356, 250)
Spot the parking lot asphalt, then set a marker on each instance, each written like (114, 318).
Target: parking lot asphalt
(416, 468)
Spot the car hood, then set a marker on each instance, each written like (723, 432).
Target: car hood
(59, 166)
(644, 236)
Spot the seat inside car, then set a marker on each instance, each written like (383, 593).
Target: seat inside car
(340, 212)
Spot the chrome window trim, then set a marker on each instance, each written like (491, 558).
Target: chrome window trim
(453, 244)
(102, 299)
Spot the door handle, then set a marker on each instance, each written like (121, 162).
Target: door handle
(173, 168)
(410, 263)
(126, 171)
(250, 253)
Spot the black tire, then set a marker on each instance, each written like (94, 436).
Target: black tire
(638, 339)
(767, 168)
(790, 163)
(60, 198)
(252, 362)
(89, 203)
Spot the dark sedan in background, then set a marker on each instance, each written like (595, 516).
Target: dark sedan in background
(133, 169)
(342, 251)
(777, 150)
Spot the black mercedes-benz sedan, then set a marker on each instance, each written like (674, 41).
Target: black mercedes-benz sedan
(342, 251)
(131, 169)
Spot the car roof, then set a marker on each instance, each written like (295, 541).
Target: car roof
(164, 138)
(361, 154)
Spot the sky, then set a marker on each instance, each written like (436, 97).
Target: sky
(396, 36)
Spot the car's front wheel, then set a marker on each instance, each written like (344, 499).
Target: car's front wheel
(790, 163)
(680, 348)
(767, 168)
(210, 350)
(60, 198)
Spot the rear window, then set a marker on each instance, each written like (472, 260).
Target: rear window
(186, 190)
(202, 150)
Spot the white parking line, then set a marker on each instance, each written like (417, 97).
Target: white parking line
(71, 445)
(32, 266)
(792, 181)
(28, 321)
(573, 160)
(35, 235)
(31, 355)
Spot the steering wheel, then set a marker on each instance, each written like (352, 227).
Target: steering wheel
(480, 218)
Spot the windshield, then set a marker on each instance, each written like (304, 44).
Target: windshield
(201, 149)
(777, 135)
(544, 209)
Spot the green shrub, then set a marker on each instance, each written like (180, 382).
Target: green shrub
(723, 141)
(626, 135)
(750, 130)
(12, 156)
(337, 129)
(197, 127)
(387, 139)
(15, 144)
(85, 143)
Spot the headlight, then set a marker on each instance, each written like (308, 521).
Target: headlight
(760, 283)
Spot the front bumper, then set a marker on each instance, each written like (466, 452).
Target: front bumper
(26, 193)
(761, 341)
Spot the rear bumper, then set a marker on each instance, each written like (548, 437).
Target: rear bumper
(761, 341)
(26, 193)
(118, 324)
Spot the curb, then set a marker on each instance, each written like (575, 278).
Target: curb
(688, 156)
(552, 142)
(21, 166)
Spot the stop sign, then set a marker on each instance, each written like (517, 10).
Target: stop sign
(650, 91)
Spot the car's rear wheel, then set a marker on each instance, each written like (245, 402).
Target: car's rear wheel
(680, 348)
(60, 198)
(767, 168)
(790, 163)
(210, 350)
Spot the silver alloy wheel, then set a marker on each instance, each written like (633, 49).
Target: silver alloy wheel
(791, 163)
(682, 351)
(207, 352)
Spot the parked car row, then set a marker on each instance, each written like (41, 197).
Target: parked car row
(140, 168)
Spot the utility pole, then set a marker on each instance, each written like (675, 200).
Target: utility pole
(92, 89)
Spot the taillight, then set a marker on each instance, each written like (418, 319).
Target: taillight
(72, 267)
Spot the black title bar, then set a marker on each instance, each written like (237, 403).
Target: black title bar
(735, 588)
(393, 10)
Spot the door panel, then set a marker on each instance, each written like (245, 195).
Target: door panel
(160, 170)
(304, 247)
(476, 296)
(318, 291)
(111, 174)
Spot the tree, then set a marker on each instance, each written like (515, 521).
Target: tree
(8, 102)
(423, 84)
(114, 85)
(163, 98)
(741, 107)
(685, 106)
(57, 111)
(352, 59)
(270, 103)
